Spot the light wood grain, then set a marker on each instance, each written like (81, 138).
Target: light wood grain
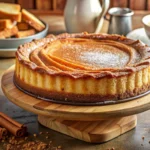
(91, 131)
(43, 5)
(148, 5)
(70, 112)
(8, 1)
(28, 4)
(121, 3)
(59, 4)
(138, 4)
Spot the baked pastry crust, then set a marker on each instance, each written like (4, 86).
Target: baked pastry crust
(6, 23)
(25, 33)
(83, 67)
(32, 20)
(8, 32)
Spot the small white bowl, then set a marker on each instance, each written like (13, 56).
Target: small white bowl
(146, 23)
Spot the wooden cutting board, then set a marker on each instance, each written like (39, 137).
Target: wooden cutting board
(91, 131)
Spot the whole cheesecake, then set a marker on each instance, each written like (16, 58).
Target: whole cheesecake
(83, 68)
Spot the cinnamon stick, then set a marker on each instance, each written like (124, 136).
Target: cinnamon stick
(12, 126)
(3, 132)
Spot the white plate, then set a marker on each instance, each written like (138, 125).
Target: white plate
(139, 34)
(7, 52)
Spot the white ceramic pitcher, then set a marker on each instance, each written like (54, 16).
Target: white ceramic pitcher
(85, 15)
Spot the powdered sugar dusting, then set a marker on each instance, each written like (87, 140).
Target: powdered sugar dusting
(104, 60)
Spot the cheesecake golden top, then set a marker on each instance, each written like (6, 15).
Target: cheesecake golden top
(83, 55)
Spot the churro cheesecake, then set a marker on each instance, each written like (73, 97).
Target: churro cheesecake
(83, 67)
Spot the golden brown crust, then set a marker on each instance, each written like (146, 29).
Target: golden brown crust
(10, 11)
(8, 32)
(14, 17)
(5, 23)
(22, 26)
(25, 33)
(32, 20)
(42, 70)
(143, 50)
(73, 97)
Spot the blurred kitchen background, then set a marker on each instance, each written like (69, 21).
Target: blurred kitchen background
(51, 12)
(54, 8)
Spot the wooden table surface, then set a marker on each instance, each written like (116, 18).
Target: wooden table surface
(129, 141)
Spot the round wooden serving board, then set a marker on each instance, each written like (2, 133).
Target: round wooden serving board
(70, 112)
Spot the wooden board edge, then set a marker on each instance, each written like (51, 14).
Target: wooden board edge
(58, 126)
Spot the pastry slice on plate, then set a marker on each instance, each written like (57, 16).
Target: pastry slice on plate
(10, 11)
(32, 20)
(8, 32)
(25, 33)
